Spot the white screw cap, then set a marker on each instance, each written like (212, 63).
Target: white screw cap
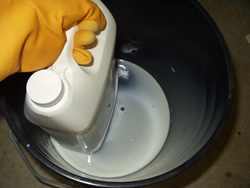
(45, 88)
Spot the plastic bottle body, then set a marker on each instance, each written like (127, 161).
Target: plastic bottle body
(72, 103)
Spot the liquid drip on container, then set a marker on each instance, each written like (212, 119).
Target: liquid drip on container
(134, 139)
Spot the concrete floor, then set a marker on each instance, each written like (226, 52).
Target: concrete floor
(227, 164)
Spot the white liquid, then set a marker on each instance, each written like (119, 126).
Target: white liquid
(137, 132)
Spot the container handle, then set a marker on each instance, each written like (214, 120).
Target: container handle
(39, 177)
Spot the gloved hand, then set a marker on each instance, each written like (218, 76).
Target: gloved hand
(32, 32)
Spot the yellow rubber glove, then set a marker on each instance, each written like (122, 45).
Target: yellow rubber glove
(32, 32)
(83, 37)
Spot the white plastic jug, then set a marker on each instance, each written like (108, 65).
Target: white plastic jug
(73, 103)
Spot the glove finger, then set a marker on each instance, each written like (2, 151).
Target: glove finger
(82, 56)
(83, 38)
(95, 13)
(89, 25)
(75, 12)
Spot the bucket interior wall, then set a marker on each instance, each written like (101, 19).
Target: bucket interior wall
(179, 45)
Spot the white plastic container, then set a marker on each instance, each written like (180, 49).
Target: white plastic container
(73, 103)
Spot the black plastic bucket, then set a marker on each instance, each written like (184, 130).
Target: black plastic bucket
(181, 47)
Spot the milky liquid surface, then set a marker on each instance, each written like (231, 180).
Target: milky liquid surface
(137, 132)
